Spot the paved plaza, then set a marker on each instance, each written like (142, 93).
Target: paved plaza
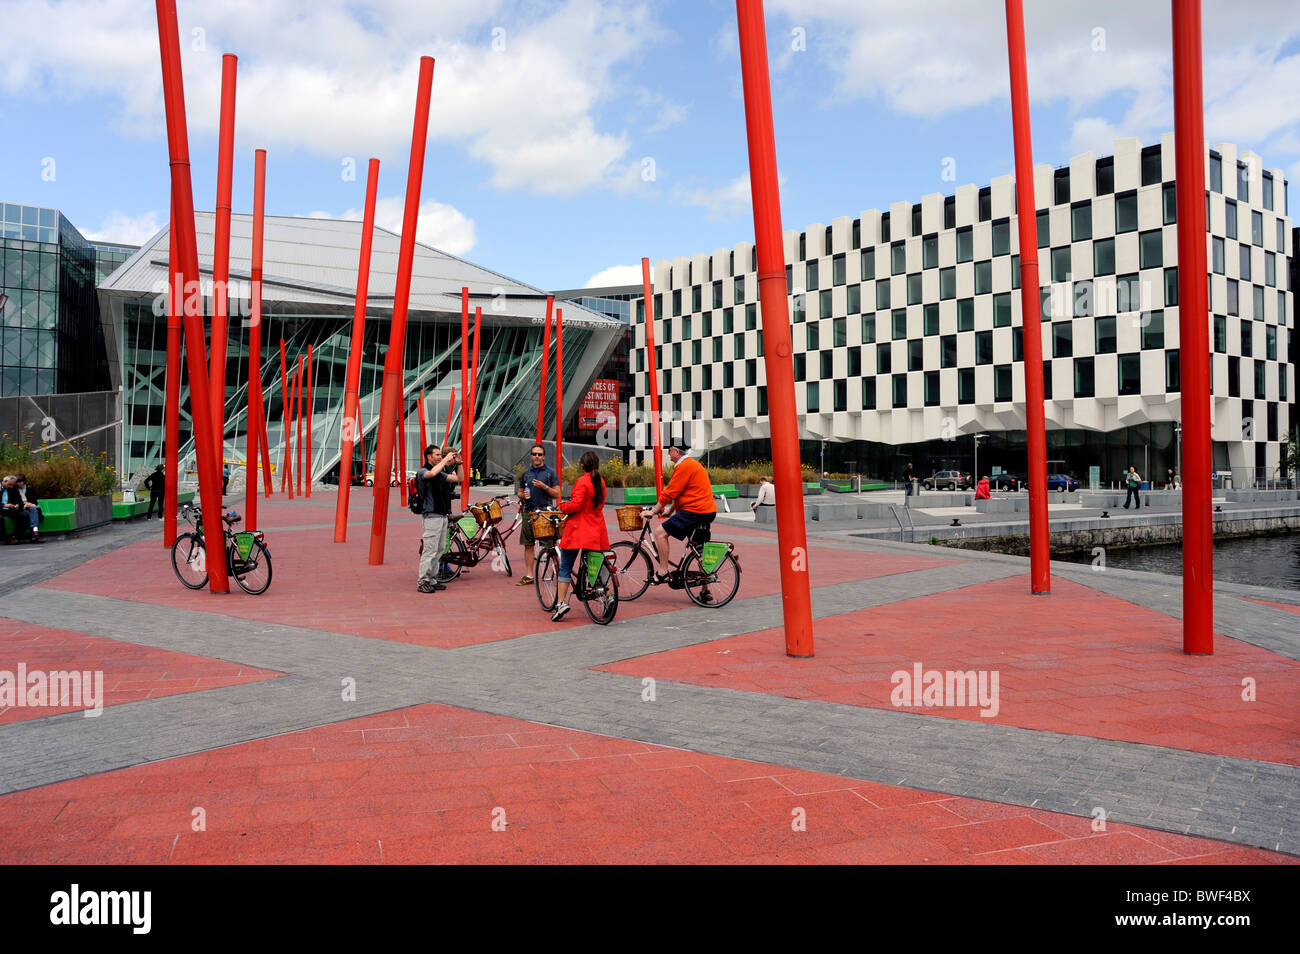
(345, 717)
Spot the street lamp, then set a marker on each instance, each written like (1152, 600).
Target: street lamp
(976, 476)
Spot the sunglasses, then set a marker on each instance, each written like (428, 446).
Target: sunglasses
(539, 455)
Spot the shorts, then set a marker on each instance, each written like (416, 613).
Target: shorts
(682, 522)
(526, 531)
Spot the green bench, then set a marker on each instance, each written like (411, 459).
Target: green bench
(639, 495)
(726, 490)
(812, 487)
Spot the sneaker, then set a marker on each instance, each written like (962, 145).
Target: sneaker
(426, 587)
(525, 581)
(439, 585)
(706, 597)
(560, 610)
(37, 538)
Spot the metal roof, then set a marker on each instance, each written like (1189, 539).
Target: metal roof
(314, 260)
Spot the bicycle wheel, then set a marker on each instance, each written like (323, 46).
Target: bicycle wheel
(633, 569)
(601, 598)
(448, 570)
(189, 560)
(544, 577)
(254, 574)
(499, 547)
(720, 585)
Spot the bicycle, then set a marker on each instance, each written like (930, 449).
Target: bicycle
(595, 583)
(473, 535)
(248, 559)
(709, 571)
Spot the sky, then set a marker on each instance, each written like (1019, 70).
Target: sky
(569, 138)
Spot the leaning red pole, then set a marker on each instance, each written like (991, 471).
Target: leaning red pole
(424, 428)
(253, 404)
(654, 376)
(464, 366)
(1193, 317)
(352, 380)
(172, 411)
(221, 253)
(307, 471)
(298, 402)
(285, 410)
(541, 386)
(1040, 567)
(392, 388)
(559, 395)
(796, 600)
(209, 468)
(451, 409)
(470, 403)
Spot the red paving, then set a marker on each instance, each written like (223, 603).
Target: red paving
(1289, 607)
(424, 784)
(325, 585)
(130, 672)
(1123, 676)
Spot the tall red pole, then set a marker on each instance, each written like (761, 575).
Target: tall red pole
(559, 395)
(171, 439)
(451, 410)
(178, 148)
(307, 471)
(221, 253)
(464, 368)
(253, 408)
(298, 402)
(352, 381)
(392, 388)
(654, 376)
(470, 403)
(424, 430)
(796, 601)
(1040, 568)
(266, 451)
(401, 445)
(1193, 317)
(541, 387)
(286, 409)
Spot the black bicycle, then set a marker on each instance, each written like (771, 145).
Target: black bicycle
(708, 571)
(248, 559)
(594, 581)
(473, 536)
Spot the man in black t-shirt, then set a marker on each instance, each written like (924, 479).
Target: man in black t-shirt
(434, 483)
(155, 483)
(538, 489)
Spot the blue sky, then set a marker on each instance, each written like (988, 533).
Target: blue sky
(545, 115)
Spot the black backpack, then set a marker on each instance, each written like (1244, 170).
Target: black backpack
(416, 500)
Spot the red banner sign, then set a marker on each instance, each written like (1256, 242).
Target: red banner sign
(600, 407)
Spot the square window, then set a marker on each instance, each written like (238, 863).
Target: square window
(1103, 257)
(868, 264)
(947, 284)
(868, 394)
(1002, 237)
(930, 319)
(1081, 222)
(1061, 187)
(1151, 249)
(1126, 212)
(1153, 330)
(882, 294)
(1105, 332)
(965, 244)
(838, 270)
(1150, 165)
(983, 347)
(930, 251)
(948, 351)
(915, 355)
(868, 329)
(1130, 374)
(1002, 310)
(1084, 378)
(897, 259)
(983, 278)
(1105, 174)
(914, 289)
(899, 323)
(1062, 339)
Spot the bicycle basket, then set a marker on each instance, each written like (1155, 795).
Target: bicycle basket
(629, 517)
(494, 514)
(712, 554)
(479, 512)
(543, 529)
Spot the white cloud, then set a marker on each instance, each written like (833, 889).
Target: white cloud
(337, 78)
(438, 224)
(615, 275)
(1093, 134)
(723, 202)
(127, 229)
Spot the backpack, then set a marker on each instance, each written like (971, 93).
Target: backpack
(415, 501)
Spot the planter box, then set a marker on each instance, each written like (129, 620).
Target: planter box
(64, 514)
(747, 490)
(613, 496)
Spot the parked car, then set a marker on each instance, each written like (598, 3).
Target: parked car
(948, 480)
(1007, 481)
(1061, 482)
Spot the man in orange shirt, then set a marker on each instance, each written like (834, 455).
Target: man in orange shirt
(690, 494)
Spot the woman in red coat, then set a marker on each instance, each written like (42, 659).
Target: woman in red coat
(585, 528)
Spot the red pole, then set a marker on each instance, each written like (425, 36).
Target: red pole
(464, 368)
(541, 387)
(307, 472)
(559, 395)
(286, 408)
(352, 382)
(221, 253)
(171, 440)
(654, 376)
(253, 406)
(266, 452)
(392, 388)
(1040, 568)
(401, 444)
(298, 402)
(451, 409)
(791, 534)
(1193, 316)
(424, 431)
(471, 403)
(209, 469)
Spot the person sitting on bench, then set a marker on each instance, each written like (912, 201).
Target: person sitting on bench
(22, 507)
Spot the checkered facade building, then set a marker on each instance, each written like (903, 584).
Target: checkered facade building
(906, 324)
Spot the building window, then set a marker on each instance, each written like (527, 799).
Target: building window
(1061, 187)
(1061, 270)
(1171, 286)
(1233, 307)
(1081, 222)
(1002, 383)
(1216, 172)
(1103, 257)
(1017, 345)
(841, 395)
(900, 390)
(762, 401)
(695, 351)
(1105, 332)
(1151, 249)
(1002, 237)
(717, 292)
(677, 356)
(914, 289)
(1105, 170)
(1044, 225)
(947, 284)
(717, 404)
(686, 328)
(1257, 312)
(751, 372)
(868, 329)
(1169, 201)
(931, 388)
(801, 367)
(868, 394)
(751, 317)
(857, 233)
(930, 319)
(717, 349)
(1082, 299)
(1002, 310)
(1260, 390)
(1220, 334)
(1015, 272)
(738, 404)
(1257, 229)
(728, 321)
(810, 279)
(841, 331)
(1130, 374)
(853, 300)
(1153, 330)
(1150, 165)
(965, 245)
(855, 362)
(1247, 340)
(1171, 371)
(1234, 376)
(827, 365)
(983, 347)
(800, 307)
(803, 246)
(899, 320)
(1047, 380)
(839, 272)
(1281, 237)
(882, 294)
(966, 314)
(738, 346)
(1216, 252)
(1268, 192)
(915, 354)
(983, 277)
(916, 218)
(883, 359)
(1230, 218)
(1270, 344)
(824, 303)
(966, 386)
(738, 289)
(1126, 212)
(930, 251)
(1270, 269)
(948, 351)
(884, 227)
(813, 391)
(950, 212)
(1062, 339)
(1243, 182)
(811, 336)
(868, 264)
(695, 298)
(1084, 381)
(826, 241)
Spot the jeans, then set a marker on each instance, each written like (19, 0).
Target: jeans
(567, 558)
(25, 521)
(158, 501)
(1135, 495)
(434, 540)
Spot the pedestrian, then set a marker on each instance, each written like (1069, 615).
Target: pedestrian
(434, 484)
(225, 478)
(1133, 481)
(155, 483)
(910, 477)
(982, 489)
(585, 527)
(1169, 479)
(766, 494)
(538, 488)
(21, 506)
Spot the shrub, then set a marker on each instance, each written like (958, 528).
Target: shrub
(67, 470)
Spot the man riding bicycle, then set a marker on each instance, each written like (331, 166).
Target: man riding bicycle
(690, 495)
